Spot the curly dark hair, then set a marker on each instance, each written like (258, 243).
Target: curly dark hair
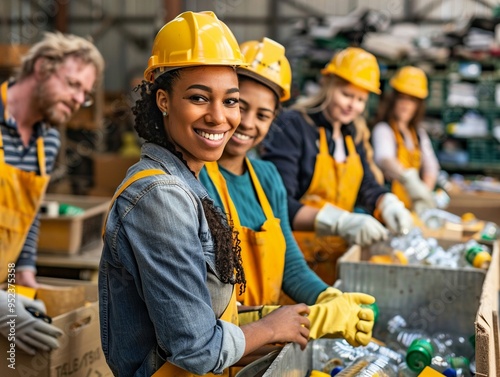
(149, 126)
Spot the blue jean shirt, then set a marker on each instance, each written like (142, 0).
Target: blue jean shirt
(159, 294)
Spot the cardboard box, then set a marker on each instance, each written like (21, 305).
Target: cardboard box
(80, 353)
(11, 54)
(109, 171)
(69, 234)
(484, 205)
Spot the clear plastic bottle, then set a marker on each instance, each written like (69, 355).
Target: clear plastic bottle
(404, 371)
(380, 366)
(334, 355)
(400, 335)
(331, 353)
(458, 344)
(393, 355)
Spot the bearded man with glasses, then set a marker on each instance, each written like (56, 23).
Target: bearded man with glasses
(56, 78)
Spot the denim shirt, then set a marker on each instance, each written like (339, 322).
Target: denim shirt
(159, 294)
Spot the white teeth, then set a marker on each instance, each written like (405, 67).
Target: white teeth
(241, 136)
(206, 135)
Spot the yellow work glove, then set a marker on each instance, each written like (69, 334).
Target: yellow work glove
(328, 294)
(343, 317)
(247, 317)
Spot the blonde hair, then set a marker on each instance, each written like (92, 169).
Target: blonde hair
(320, 100)
(55, 48)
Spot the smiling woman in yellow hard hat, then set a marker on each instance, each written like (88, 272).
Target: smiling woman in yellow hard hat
(322, 161)
(402, 148)
(170, 260)
(252, 193)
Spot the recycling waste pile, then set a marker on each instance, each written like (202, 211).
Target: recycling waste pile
(437, 302)
(405, 352)
(415, 249)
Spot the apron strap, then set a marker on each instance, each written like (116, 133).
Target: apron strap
(221, 187)
(127, 183)
(3, 93)
(264, 202)
(4, 99)
(323, 144)
(41, 156)
(351, 148)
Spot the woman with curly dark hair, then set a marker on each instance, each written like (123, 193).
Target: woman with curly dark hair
(170, 260)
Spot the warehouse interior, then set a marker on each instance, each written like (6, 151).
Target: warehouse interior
(455, 42)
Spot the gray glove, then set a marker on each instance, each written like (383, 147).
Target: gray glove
(396, 217)
(355, 228)
(419, 193)
(30, 333)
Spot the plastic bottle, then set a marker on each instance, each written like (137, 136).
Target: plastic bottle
(431, 352)
(376, 311)
(380, 366)
(469, 254)
(458, 344)
(70, 210)
(435, 218)
(400, 337)
(332, 353)
(441, 198)
(377, 349)
(404, 371)
(475, 255)
(490, 231)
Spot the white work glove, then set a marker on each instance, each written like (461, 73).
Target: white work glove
(394, 214)
(31, 334)
(355, 228)
(419, 193)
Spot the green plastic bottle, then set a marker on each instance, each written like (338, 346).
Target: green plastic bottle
(478, 257)
(430, 352)
(375, 308)
(70, 210)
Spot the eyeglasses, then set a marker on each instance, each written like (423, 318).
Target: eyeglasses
(76, 87)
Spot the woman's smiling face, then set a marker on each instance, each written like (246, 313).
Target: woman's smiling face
(258, 108)
(202, 112)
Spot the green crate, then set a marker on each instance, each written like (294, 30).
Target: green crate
(483, 150)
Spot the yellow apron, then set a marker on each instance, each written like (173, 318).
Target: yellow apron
(335, 183)
(407, 159)
(263, 251)
(21, 193)
(230, 314)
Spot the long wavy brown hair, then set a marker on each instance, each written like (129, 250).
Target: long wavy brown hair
(149, 126)
(387, 105)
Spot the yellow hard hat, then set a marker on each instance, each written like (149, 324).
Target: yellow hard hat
(268, 65)
(193, 39)
(410, 80)
(356, 66)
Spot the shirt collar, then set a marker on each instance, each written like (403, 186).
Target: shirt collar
(174, 166)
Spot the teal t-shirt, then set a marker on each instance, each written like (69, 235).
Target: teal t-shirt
(299, 281)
